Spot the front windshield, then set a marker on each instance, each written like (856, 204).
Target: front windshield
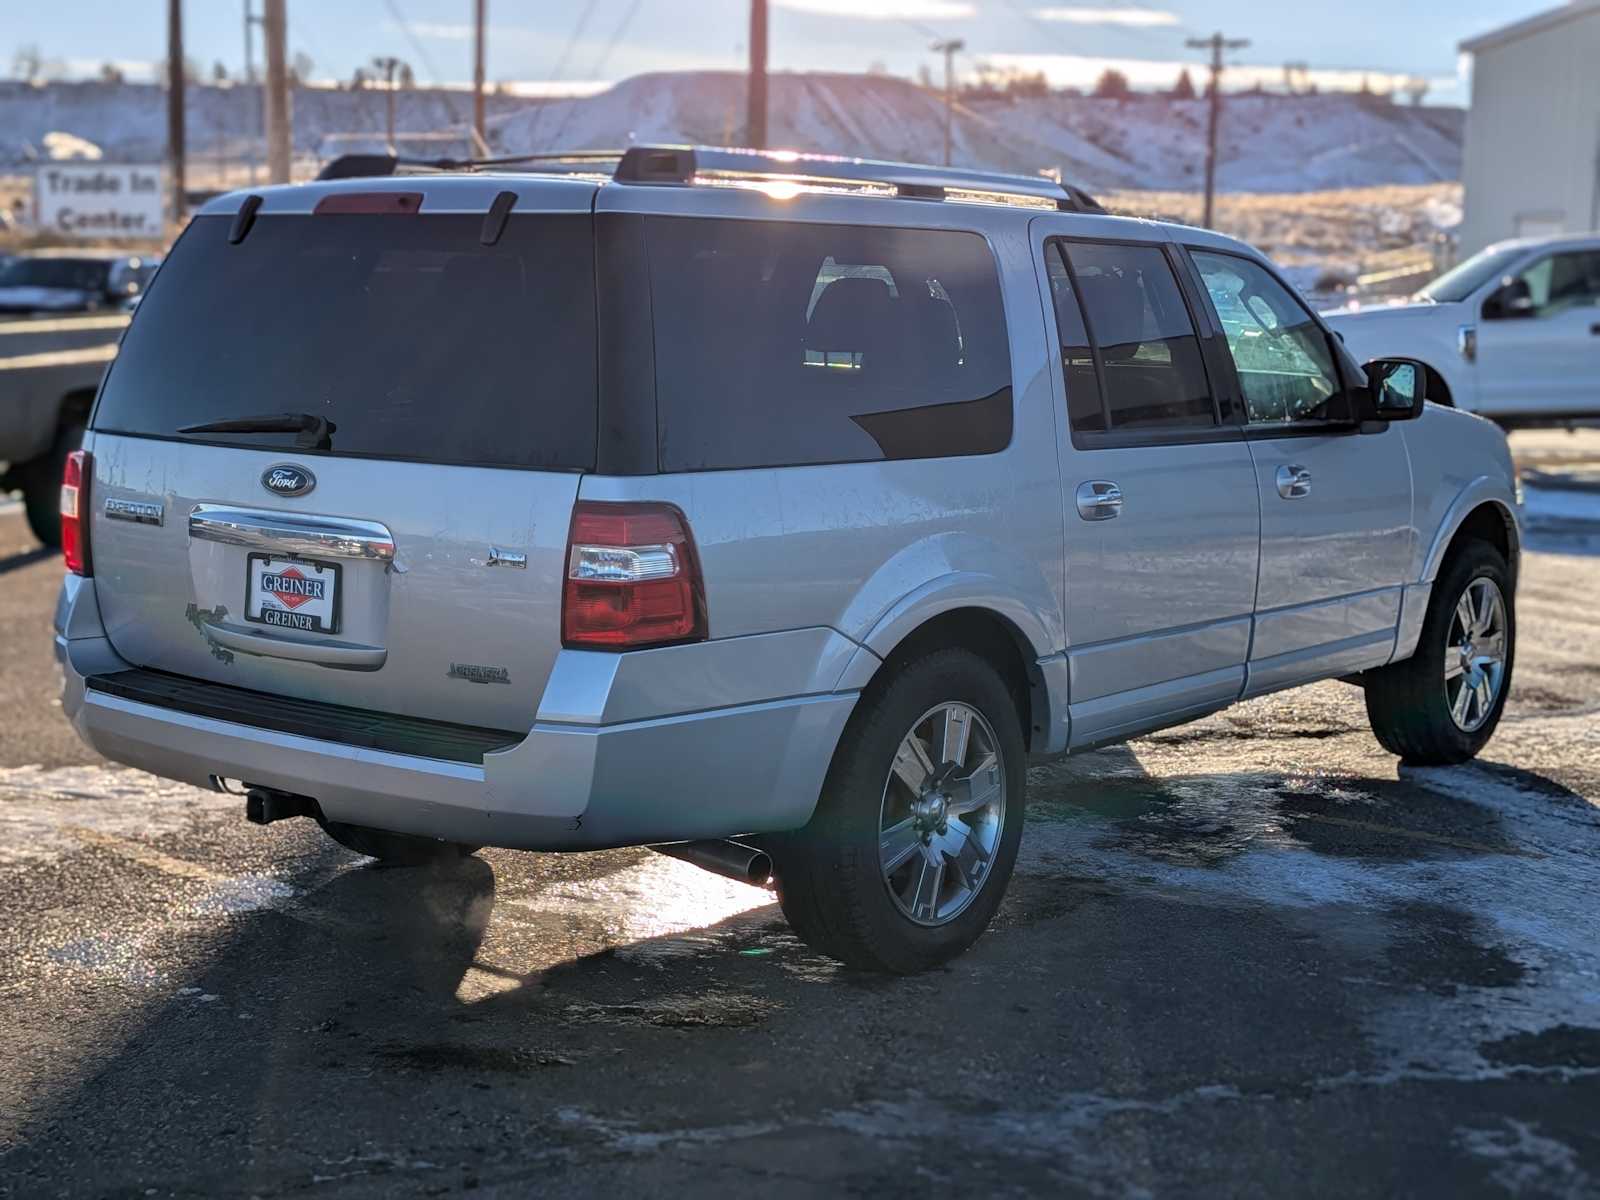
(1461, 280)
(83, 274)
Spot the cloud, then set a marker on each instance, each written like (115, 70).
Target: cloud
(885, 10)
(1140, 18)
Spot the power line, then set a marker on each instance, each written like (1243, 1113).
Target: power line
(616, 37)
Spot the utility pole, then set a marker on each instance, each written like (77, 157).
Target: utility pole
(1216, 43)
(275, 32)
(481, 19)
(756, 116)
(253, 96)
(176, 149)
(949, 49)
(387, 65)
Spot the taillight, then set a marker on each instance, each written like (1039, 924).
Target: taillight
(75, 513)
(633, 578)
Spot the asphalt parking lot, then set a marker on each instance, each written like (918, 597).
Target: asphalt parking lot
(1246, 957)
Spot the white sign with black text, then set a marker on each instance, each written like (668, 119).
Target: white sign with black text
(98, 200)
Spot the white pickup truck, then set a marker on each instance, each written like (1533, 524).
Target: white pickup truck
(1512, 333)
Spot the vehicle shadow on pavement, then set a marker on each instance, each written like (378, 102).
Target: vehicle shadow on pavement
(26, 558)
(417, 1031)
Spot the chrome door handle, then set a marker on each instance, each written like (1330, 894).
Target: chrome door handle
(1293, 482)
(1099, 500)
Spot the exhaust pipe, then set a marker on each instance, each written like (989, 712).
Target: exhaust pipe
(263, 806)
(732, 860)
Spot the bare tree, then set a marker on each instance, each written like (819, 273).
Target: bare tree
(111, 73)
(1112, 85)
(27, 64)
(1184, 88)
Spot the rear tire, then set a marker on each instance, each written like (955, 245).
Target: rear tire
(1416, 710)
(395, 849)
(41, 486)
(892, 877)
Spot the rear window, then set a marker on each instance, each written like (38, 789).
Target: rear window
(414, 340)
(782, 344)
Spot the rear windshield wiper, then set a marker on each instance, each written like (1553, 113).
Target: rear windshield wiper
(312, 432)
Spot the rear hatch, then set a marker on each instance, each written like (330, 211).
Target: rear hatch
(336, 460)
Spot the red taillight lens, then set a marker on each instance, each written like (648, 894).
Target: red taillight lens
(75, 513)
(633, 578)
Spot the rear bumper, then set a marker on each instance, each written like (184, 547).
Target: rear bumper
(580, 782)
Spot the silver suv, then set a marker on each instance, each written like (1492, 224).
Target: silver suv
(772, 512)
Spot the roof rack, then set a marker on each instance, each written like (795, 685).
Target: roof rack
(687, 165)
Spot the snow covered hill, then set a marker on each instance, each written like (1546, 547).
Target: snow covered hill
(1269, 143)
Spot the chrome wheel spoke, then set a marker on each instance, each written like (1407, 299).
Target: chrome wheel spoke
(954, 731)
(1464, 613)
(897, 844)
(1453, 665)
(970, 858)
(977, 790)
(912, 766)
(1458, 710)
(927, 880)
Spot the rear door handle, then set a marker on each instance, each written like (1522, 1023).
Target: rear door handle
(1293, 482)
(1099, 500)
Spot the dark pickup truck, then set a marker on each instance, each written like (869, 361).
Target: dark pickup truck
(49, 370)
(62, 314)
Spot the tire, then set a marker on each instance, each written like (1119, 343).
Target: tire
(395, 849)
(831, 882)
(1410, 703)
(41, 486)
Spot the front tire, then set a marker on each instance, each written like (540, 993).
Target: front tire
(395, 849)
(916, 831)
(1441, 706)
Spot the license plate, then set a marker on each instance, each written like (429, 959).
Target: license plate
(292, 593)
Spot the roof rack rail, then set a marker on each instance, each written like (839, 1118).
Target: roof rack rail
(684, 165)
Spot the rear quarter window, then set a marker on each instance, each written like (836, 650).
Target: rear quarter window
(782, 344)
(415, 340)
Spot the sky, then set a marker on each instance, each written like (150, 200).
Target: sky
(578, 43)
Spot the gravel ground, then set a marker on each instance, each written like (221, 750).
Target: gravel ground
(1248, 956)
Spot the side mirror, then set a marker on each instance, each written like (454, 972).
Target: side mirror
(1514, 298)
(1396, 390)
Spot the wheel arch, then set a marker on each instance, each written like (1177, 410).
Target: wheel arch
(1476, 516)
(1003, 631)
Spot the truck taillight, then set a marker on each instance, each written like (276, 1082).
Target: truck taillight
(633, 578)
(75, 513)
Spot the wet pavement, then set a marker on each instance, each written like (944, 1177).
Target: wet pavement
(1248, 956)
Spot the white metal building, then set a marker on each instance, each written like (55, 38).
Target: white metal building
(1531, 164)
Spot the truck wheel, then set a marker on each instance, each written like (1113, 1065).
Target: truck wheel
(41, 486)
(1442, 704)
(395, 849)
(916, 831)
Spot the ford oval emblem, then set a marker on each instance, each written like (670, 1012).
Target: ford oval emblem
(286, 479)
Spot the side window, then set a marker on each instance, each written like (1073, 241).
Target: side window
(1564, 281)
(1285, 366)
(1152, 371)
(1084, 407)
(780, 344)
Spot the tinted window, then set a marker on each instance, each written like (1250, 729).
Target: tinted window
(1564, 281)
(1461, 280)
(1284, 363)
(1150, 358)
(414, 339)
(780, 344)
(1077, 354)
